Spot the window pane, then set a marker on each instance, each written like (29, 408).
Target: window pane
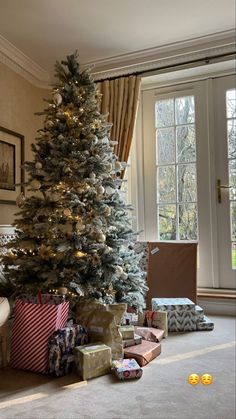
(165, 145)
(233, 220)
(233, 255)
(167, 222)
(164, 113)
(166, 184)
(231, 103)
(231, 129)
(187, 183)
(185, 137)
(188, 222)
(232, 178)
(184, 110)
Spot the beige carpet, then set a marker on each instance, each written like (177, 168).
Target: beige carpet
(163, 391)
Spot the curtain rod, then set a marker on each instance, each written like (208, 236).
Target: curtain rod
(206, 60)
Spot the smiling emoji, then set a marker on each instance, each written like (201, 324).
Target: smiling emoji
(193, 379)
(206, 379)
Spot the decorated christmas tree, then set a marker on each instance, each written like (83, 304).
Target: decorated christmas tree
(74, 228)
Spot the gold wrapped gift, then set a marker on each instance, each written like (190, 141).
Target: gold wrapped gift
(127, 332)
(102, 327)
(93, 360)
(118, 310)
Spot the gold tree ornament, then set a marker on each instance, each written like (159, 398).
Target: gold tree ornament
(45, 252)
(38, 165)
(57, 98)
(35, 184)
(62, 290)
(67, 212)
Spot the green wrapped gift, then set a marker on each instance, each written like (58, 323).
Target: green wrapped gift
(93, 360)
(127, 332)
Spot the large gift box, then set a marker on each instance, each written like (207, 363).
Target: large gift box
(143, 353)
(150, 333)
(181, 313)
(125, 369)
(93, 360)
(61, 345)
(101, 326)
(33, 324)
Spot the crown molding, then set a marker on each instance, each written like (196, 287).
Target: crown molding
(208, 46)
(138, 61)
(15, 59)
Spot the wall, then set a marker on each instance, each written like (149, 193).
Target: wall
(19, 99)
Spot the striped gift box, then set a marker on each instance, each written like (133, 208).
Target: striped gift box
(33, 325)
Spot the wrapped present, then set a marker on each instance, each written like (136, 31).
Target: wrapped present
(131, 342)
(130, 318)
(181, 313)
(102, 327)
(118, 310)
(127, 332)
(205, 324)
(150, 333)
(156, 319)
(199, 313)
(125, 369)
(93, 360)
(33, 324)
(143, 353)
(61, 345)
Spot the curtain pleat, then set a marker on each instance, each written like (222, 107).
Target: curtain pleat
(120, 99)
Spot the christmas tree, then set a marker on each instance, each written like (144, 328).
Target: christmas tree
(74, 229)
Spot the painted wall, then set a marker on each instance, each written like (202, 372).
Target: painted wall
(19, 99)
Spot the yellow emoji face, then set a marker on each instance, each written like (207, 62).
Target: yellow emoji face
(193, 379)
(206, 379)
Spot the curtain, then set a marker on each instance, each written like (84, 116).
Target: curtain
(120, 102)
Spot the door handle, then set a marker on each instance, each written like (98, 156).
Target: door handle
(219, 187)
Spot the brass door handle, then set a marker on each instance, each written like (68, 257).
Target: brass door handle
(219, 187)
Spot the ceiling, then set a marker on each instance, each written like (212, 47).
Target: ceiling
(48, 30)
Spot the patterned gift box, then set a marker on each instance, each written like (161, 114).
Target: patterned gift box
(130, 319)
(127, 332)
(32, 326)
(205, 324)
(93, 360)
(199, 313)
(131, 342)
(125, 369)
(61, 345)
(181, 313)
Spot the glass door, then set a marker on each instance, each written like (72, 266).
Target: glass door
(224, 93)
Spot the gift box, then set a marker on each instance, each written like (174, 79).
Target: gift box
(61, 345)
(102, 327)
(205, 324)
(150, 333)
(199, 313)
(33, 324)
(93, 360)
(130, 319)
(125, 369)
(143, 353)
(131, 342)
(127, 332)
(181, 313)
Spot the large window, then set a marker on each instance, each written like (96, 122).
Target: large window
(176, 169)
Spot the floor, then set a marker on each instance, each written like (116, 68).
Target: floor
(163, 392)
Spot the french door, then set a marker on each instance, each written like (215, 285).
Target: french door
(224, 93)
(186, 146)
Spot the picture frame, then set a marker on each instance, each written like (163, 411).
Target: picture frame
(11, 165)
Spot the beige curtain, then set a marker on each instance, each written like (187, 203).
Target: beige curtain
(120, 101)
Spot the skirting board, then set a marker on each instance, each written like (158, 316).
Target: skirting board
(219, 306)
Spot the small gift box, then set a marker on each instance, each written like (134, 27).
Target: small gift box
(143, 353)
(131, 342)
(150, 333)
(125, 369)
(127, 332)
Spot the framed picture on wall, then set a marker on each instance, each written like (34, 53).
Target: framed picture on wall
(11, 161)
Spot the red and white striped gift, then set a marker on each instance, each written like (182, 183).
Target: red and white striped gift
(33, 325)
